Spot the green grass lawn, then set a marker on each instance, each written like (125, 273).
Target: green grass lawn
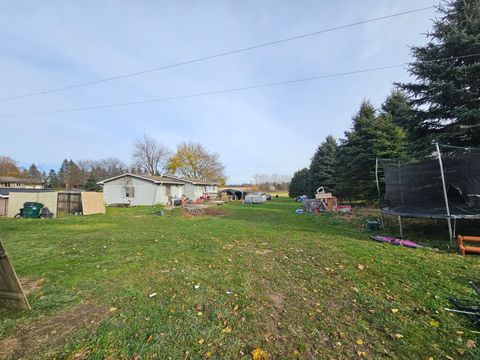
(295, 286)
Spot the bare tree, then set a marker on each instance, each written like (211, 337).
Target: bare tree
(150, 155)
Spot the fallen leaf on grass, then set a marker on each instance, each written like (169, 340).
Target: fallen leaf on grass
(398, 336)
(394, 311)
(227, 330)
(460, 351)
(207, 354)
(199, 313)
(152, 295)
(361, 267)
(259, 354)
(359, 341)
(201, 341)
(470, 344)
(150, 338)
(361, 353)
(112, 309)
(434, 323)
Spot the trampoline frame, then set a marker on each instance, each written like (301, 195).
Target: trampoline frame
(447, 216)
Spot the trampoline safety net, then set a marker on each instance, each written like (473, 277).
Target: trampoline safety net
(414, 187)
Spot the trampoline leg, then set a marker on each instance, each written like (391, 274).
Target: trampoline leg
(450, 232)
(400, 225)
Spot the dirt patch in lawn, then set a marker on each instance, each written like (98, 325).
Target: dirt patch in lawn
(199, 210)
(278, 301)
(30, 284)
(32, 340)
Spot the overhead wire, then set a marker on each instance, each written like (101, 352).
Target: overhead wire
(210, 57)
(230, 90)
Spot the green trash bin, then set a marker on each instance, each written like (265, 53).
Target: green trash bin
(32, 210)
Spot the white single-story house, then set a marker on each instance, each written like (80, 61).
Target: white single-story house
(194, 189)
(140, 189)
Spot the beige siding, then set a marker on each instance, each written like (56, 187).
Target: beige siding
(16, 200)
(3, 206)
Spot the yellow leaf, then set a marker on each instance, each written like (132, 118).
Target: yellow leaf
(227, 330)
(434, 323)
(460, 351)
(150, 338)
(359, 341)
(361, 353)
(259, 354)
(112, 309)
(394, 311)
(361, 267)
(399, 336)
(199, 313)
(201, 341)
(208, 354)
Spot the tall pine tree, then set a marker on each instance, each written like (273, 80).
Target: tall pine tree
(371, 136)
(446, 94)
(299, 183)
(323, 166)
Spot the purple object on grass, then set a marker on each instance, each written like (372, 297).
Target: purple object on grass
(395, 241)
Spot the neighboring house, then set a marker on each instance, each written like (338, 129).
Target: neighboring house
(13, 182)
(142, 189)
(194, 189)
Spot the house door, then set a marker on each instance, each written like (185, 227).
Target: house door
(168, 190)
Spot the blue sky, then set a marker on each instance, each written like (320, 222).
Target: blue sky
(49, 44)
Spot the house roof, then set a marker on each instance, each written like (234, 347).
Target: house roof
(192, 181)
(154, 179)
(11, 179)
(164, 179)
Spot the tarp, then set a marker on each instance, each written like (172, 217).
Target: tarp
(255, 199)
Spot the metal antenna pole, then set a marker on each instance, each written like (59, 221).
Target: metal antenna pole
(450, 233)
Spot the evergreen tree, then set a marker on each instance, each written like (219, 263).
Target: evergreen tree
(323, 166)
(91, 184)
(372, 136)
(299, 183)
(398, 106)
(34, 173)
(76, 176)
(446, 94)
(64, 173)
(53, 181)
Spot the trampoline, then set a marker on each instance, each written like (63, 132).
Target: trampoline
(441, 183)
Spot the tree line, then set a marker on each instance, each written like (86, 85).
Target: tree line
(274, 182)
(441, 104)
(149, 157)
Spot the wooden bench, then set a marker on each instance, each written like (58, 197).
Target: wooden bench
(469, 239)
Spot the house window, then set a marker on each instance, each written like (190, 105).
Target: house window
(129, 191)
(7, 184)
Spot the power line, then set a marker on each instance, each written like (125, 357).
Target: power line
(223, 91)
(216, 92)
(210, 57)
